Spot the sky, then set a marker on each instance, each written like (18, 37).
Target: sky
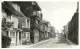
(58, 13)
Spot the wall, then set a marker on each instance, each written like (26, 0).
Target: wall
(15, 20)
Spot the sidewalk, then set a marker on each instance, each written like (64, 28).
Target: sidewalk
(71, 43)
(32, 45)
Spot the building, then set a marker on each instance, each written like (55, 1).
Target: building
(52, 33)
(35, 19)
(20, 22)
(73, 27)
(41, 34)
(25, 22)
(46, 30)
(66, 32)
(33, 12)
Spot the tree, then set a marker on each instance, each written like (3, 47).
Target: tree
(5, 39)
(6, 25)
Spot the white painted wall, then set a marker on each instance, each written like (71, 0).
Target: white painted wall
(14, 19)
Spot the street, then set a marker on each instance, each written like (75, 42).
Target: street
(49, 43)
(52, 43)
(33, 24)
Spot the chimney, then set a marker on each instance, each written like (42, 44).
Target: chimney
(78, 7)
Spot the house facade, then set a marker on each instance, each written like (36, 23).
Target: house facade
(20, 22)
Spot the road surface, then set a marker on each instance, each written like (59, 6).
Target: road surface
(49, 43)
(52, 43)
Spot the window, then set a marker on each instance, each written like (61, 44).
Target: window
(28, 22)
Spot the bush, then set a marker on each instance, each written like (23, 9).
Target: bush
(5, 41)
